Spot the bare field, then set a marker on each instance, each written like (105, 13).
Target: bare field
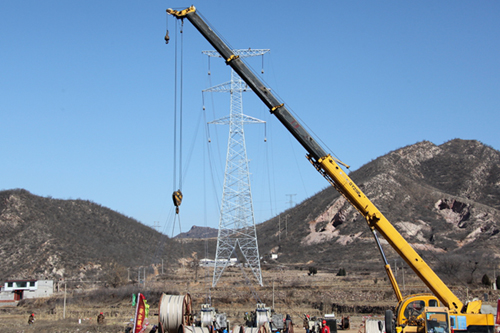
(288, 291)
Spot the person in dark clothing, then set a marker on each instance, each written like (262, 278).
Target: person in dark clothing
(31, 319)
(288, 323)
(306, 323)
(100, 318)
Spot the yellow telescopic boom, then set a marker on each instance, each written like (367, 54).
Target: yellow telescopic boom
(326, 165)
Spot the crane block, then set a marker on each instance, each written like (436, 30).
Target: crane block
(177, 198)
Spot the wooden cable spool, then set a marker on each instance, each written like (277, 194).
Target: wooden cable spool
(173, 312)
(251, 330)
(194, 329)
(238, 329)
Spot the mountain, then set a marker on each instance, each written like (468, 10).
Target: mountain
(76, 239)
(444, 199)
(199, 233)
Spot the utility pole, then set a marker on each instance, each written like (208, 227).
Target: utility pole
(279, 228)
(64, 307)
(273, 295)
(404, 289)
(494, 278)
(291, 199)
(286, 226)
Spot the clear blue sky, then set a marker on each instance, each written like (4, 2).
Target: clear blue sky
(87, 89)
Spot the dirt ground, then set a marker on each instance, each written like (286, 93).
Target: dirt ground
(287, 291)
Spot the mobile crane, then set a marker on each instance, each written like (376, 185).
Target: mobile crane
(438, 312)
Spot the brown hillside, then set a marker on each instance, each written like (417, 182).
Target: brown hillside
(443, 199)
(71, 239)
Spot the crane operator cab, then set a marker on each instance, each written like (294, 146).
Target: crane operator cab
(421, 313)
(437, 320)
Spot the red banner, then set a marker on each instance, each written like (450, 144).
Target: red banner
(140, 314)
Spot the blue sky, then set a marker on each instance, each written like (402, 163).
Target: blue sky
(87, 92)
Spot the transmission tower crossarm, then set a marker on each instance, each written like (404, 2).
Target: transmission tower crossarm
(223, 87)
(244, 118)
(243, 53)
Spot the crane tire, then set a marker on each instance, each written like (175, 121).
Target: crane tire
(389, 322)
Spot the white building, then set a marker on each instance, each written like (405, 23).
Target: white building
(16, 290)
(211, 262)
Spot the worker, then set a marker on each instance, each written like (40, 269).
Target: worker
(324, 327)
(31, 319)
(312, 325)
(306, 323)
(288, 323)
(345, 323)
(100, 318)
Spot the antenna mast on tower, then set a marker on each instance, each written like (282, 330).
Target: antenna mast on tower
(237, 222)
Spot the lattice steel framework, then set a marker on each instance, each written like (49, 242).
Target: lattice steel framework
(237, 222)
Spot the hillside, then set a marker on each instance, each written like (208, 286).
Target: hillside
(73, 239)
(199, 233)
(443, 199)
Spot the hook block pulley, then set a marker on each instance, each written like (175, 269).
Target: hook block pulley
(177, 198)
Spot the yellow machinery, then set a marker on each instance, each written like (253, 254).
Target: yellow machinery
(415, 313)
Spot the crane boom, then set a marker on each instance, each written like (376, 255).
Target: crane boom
(327, 165)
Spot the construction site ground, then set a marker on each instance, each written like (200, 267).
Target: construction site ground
(286, 290)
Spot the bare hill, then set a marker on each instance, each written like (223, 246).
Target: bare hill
(443, 199)
(199, 233)
(75, 239)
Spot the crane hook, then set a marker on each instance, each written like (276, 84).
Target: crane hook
(177, 198)
(167, 38)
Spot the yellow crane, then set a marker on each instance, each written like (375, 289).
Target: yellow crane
(439, 312)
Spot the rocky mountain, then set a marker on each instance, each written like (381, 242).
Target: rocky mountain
(73, 239)
(445, 200)
(199, 233)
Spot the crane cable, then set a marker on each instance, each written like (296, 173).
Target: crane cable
(177, 194)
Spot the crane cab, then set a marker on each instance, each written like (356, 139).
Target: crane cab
(412, 315)
(424, 313)
(411, 310)
(436, 320)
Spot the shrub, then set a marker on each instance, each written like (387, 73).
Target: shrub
(486, 280)
(312, 271)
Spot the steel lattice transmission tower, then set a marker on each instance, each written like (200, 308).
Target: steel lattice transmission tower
(237, 222)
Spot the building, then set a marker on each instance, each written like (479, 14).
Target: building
(211, 263)
(16, 290)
